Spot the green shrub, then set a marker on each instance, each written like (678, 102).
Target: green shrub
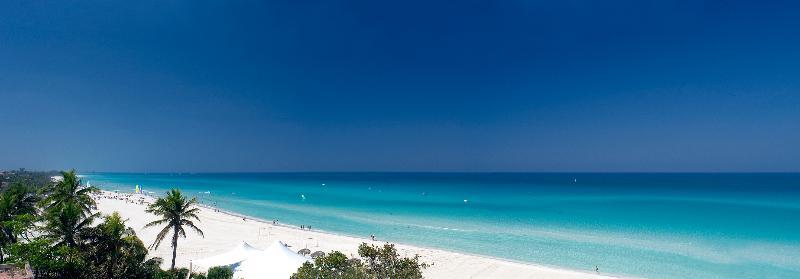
(376, 262)
(178, 273)
(220, 272)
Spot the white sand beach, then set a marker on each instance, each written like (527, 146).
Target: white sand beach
(223, 231)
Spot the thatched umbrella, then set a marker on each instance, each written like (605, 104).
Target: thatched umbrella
(317, 254)
(304, 251)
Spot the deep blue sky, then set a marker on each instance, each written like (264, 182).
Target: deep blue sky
(506, 85)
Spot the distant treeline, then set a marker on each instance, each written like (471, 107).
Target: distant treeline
(34, 179)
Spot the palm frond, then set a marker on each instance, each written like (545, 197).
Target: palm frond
(161, 235)
(191, 225)
(156, 223)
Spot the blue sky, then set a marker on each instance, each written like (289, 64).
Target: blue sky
(400, 86)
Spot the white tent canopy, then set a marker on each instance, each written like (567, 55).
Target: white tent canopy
(276, 262)
(240, 253)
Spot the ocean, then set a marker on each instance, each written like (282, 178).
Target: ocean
(693, 225)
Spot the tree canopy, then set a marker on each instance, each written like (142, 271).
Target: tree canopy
(375, 262)
(50, 227)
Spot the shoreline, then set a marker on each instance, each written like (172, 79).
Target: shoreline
(228, 228)
(239, 215)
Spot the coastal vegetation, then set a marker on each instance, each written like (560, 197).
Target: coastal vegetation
(217, 272)
(17, 213)
(375, 262)
(51, 227)
(34, 179)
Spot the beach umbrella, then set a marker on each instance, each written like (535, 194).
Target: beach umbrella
(317, 254)
(304, 251)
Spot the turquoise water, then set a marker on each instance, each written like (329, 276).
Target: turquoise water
(647, 225)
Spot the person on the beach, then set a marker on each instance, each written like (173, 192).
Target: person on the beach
(301, 227)
(596, 269)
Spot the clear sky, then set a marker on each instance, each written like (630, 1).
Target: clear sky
(337, 85)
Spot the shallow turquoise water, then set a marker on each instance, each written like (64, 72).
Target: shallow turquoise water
(648, 225)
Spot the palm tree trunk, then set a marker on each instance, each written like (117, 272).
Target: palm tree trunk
(174, 246)
(110, 268)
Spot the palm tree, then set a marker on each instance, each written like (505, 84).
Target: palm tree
(70, 190)
(176, 212)
(17, 212)
(66, 224)
(68, 209)
(115, 248)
